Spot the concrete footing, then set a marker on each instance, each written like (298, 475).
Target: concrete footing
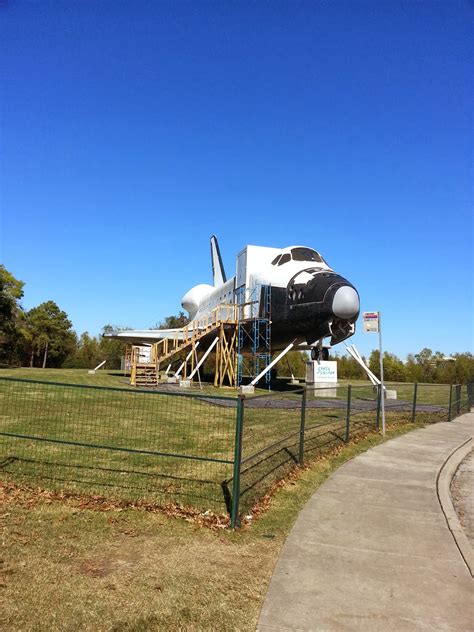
(322, 389)
(185, 384)
(247, 390)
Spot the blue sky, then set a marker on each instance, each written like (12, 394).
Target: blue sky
(132, 131)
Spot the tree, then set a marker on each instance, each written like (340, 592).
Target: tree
(374, 362)
(348, 368)
(110, 349)
(173, 322)
(393, 367)
(11, 291)
(294, 362)
(86, 355)
(51, 334)
(91, 351)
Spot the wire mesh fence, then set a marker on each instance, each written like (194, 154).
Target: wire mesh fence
(210, 452)
(127, 444)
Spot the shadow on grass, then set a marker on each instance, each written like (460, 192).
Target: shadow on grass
(62, 474)
(259, 477)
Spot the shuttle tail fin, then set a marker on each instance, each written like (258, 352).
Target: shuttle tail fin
(218, 273)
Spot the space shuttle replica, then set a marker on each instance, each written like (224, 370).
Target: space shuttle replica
(307, 303)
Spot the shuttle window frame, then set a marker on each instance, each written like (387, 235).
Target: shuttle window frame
(275, 261)
(306, 254)
(284, 259)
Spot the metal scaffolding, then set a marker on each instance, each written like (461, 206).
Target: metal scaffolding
(253, 332)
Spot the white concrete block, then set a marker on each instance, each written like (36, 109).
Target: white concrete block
(247, 390)
(322, 389)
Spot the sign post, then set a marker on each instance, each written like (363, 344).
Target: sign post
(373, 323)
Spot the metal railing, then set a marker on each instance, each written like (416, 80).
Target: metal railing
(210, 452)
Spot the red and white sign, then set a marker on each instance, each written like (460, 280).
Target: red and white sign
(371, 321)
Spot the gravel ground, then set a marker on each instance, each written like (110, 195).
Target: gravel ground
(462, 494)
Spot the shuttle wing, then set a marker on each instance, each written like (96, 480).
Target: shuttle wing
(145, 336)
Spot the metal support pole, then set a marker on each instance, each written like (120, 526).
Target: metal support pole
(272, 364)
(379, 394)
(348, 413)
(302, 425)
(450, 401)
(413, 412)
(239, 423)
(213, 344)
(381, 374)
(183, 364)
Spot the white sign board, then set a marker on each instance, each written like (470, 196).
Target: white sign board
(323, 371)
(371, 321)
(144, 355)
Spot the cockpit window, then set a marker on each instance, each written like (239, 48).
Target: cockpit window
(285, 258)
(275, 261)
(306, 254)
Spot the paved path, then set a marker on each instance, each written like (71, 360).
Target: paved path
(372, 551)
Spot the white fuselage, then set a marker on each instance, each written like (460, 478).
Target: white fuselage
(254, 267)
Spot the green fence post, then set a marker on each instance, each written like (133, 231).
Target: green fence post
(413, 412)
(458, 399)
(450, 401)
(379, 404)
(239, 423)
(302, 425)
(470, 395)
(348, 413)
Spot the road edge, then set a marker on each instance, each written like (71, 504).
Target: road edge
(443, 484)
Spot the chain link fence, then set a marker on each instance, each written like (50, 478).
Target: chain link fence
(210, 452)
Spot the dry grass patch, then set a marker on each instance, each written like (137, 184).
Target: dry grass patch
(65, 567)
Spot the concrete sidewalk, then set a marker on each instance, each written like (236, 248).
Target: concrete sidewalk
(371, 550)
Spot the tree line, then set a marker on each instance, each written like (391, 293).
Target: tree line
(43, 337)
(424, 367)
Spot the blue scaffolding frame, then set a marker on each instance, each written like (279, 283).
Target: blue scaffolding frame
(254, 332)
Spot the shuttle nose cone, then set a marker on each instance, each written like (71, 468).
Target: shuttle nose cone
(345, 303)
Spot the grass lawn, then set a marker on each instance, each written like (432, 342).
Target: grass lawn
(67, 567)
(427, 393)
(124, 444)
(116, 379)
(74, 562)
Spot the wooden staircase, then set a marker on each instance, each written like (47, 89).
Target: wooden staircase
(189, 334)
(144, 375)
(185, 339)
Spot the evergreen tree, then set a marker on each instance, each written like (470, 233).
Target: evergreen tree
(52, 337)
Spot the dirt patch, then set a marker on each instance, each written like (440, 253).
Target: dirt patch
(462, 494)
(123, 556)
(96, 568)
